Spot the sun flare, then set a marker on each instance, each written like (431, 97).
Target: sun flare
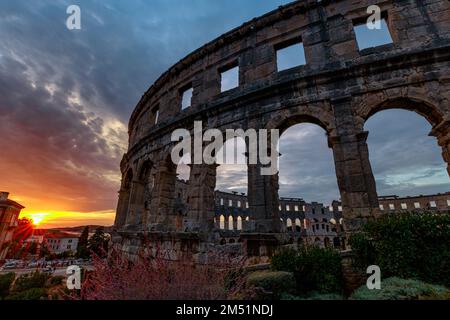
(37, 218)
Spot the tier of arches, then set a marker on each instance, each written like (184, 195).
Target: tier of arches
(150, 186)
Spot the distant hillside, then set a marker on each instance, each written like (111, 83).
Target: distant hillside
(81, 228)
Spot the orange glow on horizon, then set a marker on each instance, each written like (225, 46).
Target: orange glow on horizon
(58, 219)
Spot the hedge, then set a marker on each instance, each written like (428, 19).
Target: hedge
(409, 246)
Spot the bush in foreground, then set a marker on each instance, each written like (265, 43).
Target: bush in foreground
(401, 289)
(34, 280)
(409, 246)
(6, 281)
(315, 269)
(29, 294)
(274, 282)
(158, 278)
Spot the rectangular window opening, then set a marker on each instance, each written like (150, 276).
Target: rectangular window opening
(186, 97)
(156, 114)
(377, 36)
(290, 54)
(229, 78)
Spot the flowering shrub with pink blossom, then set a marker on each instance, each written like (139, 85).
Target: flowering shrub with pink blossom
(155, 277)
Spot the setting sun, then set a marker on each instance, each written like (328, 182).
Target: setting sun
(55, 219)
(37, 218)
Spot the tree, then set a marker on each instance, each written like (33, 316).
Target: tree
(45, 251)
(98, 244)
(17, 246)
(82, 248)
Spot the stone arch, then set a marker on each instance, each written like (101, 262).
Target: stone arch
(421, 106)
(439, 122)
(163, 202)
(141, 193)
(320, 115)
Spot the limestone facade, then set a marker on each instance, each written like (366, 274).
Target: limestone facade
(338, 88)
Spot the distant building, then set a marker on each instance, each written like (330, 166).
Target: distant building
(9, 215)
(60, 242)
(433, 203)
(311, 223)
(423, 203)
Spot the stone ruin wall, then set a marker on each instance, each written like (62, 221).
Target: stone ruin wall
(339, 88)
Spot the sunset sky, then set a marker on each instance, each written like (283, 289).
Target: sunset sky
(66, 97)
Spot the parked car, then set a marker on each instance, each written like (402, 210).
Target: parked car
(9, 265)
(48, 269)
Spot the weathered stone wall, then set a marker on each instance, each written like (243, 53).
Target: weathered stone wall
(339, 88)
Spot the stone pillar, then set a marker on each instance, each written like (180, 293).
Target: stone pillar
(355, 179)
(442, 133)
(136, 206)
(122, 208)
(353, 170)
(131, 204)
(162, 214)
(201, 212)
(263, 202)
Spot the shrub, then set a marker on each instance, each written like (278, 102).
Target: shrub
(285, 260)
(35, 280)
(400, 289)
(313, 296)
(410, 246)
(29, 294)
(156, 277)
(315, 269)
(5, 283)
(275, 282)
(56, 280)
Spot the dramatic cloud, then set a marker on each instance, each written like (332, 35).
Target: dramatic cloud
(66, 96)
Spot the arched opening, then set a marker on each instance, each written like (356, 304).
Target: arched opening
(239, 223)
(326, 242)
(222, 222)
(289, 224)
(306, 163)
(405, 160)
(232, 169)
(336, 242)
(230, 223)
(142, 191)
(183, 173)
(183, 168)
(317, 242)
(164, 205)
(298, 225)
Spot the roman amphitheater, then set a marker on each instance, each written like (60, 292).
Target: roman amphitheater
(338, 87)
